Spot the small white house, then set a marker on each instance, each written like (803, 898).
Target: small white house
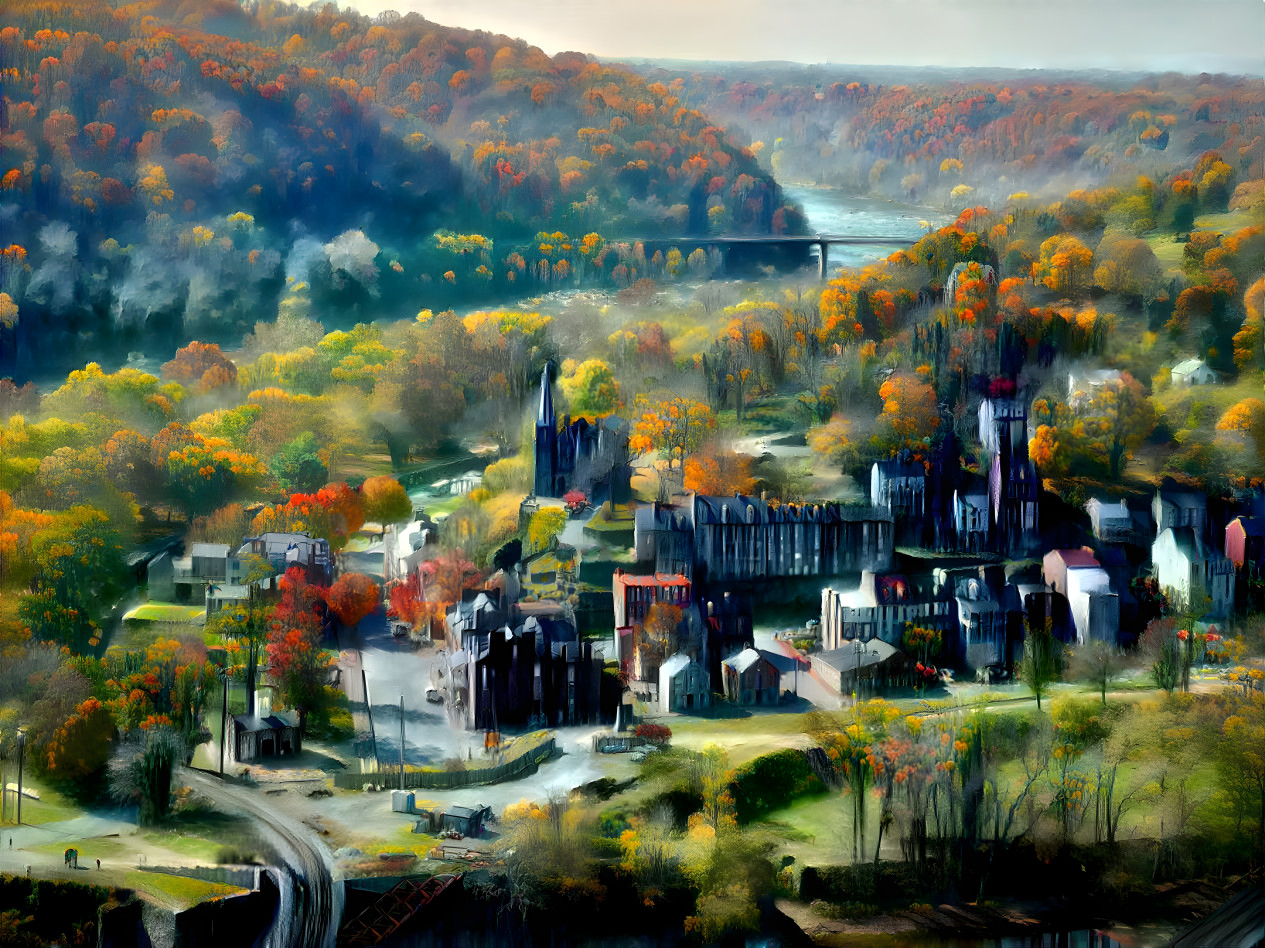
(1095, 608)
(1186, 566)
(1111, 522)
(684, 684)
(1193, 372)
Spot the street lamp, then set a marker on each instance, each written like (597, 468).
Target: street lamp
(21, 756)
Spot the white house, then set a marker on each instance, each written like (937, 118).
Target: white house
(1111, 522)
(1095, 608)
(1180, 508)
(1186, 566)
(1193, 372)
(684, 684)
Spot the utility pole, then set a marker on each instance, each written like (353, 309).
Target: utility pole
(223, 719)
(401, 742)
(21, 756)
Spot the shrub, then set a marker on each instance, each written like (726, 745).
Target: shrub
(772, 781)
(654, 733)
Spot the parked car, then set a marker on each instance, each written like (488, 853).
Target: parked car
(400, 630)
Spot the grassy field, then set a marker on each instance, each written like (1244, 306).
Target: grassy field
(745, 738)
(49, 808)
(179, 890)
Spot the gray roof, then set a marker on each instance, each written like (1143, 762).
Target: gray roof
(849, 657)
(675, 664)
(270, 723)
(743, 660)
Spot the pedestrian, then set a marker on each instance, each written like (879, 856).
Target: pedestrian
(98, 865)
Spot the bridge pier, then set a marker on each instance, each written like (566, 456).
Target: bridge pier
(823, 268)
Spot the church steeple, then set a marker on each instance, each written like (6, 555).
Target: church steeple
(545, 416)
(545, 481)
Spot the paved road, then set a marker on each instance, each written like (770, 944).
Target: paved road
(396, 668)
(311, 906)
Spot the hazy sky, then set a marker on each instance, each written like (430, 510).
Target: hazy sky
(1160, 35)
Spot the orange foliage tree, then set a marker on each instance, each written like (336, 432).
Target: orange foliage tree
(719, 472)
(353, 597)
(201, 364)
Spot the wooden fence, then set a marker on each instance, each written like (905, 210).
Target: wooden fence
(535, 750)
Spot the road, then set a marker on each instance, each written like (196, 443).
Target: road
(311, 906)
(394, 668)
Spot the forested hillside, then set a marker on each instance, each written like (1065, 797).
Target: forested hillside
(937, 137)
(168, 166)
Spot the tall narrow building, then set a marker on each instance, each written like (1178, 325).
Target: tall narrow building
(545, 484)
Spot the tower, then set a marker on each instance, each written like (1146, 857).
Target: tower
(546, 440)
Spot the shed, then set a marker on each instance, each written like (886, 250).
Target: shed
(871, 660)
(1193, 372)
(750, 678)
(468, 821)
(275, 735)
(684, 684)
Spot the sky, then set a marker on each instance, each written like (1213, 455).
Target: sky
(1129, 35)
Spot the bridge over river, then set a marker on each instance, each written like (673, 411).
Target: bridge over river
(790, 248)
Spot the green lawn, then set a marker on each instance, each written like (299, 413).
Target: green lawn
(165, 612)
(179, 889)
(1227, 222)
(49, 808)
(1167, 250)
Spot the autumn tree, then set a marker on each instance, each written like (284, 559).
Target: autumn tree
(79, 749)
(296, 661)
(1242, 428)
(1249, 341)
(590, 388)
(719, 472)
(545, 524)
(675, 426)
(1065, 265)
(739, 355)
(910, 412)
(245, 625)
(385, 501)
(201, 365)
(353, 597)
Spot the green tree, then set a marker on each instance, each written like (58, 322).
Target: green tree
(1042, 661)
(298, 465)
(145, 777)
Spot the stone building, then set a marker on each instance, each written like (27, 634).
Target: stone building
(880, 609)
(736, 539)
